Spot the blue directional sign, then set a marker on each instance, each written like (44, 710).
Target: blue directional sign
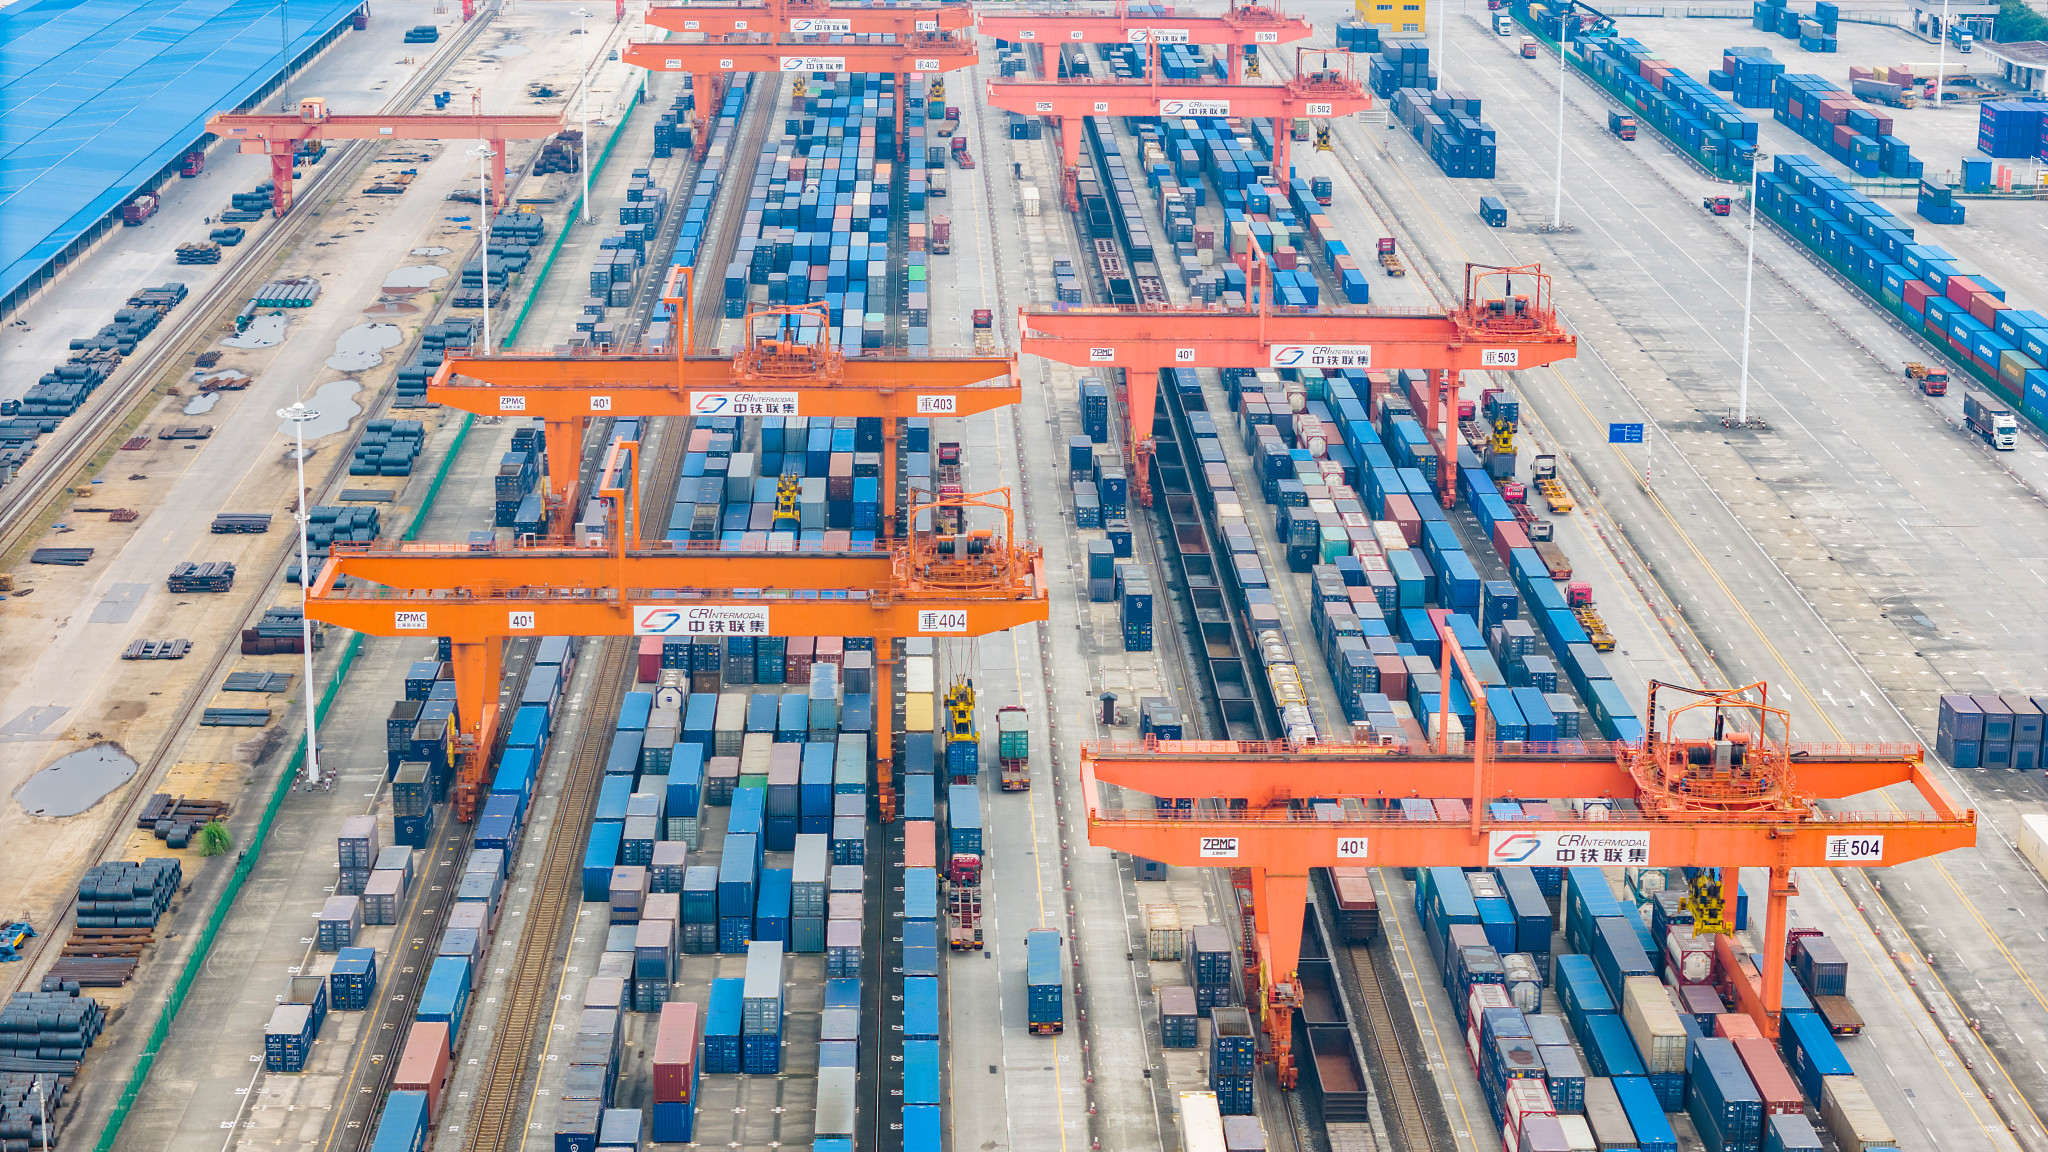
(1624, 433)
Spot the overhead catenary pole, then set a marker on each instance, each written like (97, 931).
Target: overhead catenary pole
(297, 415)
(1940, 55)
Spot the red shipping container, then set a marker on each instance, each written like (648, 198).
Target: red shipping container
(798, 657)
(1917, 294)
(1767, 1072)
(1795, 109)
(1842, 136)
(1393, 676)
(675, 1052)
(1856, 72)
(1283, 257)
(1401, 511)
(831, 650)
(1884, 124)
(1986, 307)
(423, 1066)
(1508, 536)
(1736, 1026)
(1960, 289)
(649, 669)
(918, 851)
(1836, 111)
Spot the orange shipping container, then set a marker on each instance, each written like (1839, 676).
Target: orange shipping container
(423, 1066)
(1767, 1072)
(1736, 1026)
(1986, 307)
(1508, 536)
(918, 851)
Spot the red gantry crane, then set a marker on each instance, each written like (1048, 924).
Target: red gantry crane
(1315, 93)
(1243, 26)
(1507, 321)
(810, 18)
(771, 375)
(1732, 791)
(279, 134)
(972, 582)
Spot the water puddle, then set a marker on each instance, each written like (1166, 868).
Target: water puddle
(362, 347)
(412, 278)
(431, 250)
(263, 332)
(335, 406)
(506, 51)
(201, 403)
(76, 782)
(391, 308)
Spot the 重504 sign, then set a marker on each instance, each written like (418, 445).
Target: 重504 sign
(1551, 849)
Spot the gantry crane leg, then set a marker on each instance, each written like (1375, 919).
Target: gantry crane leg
(1279, 909)
(1069, 128)
(1447, 382)
(885, 777)
(565, 462)
(478, 669)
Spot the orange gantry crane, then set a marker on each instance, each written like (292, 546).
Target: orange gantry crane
(1507, 321)
(1712, 796)
(279, 134)
(771, 375)
(1243, 26)
(1318, 93)
(970, 583)
(810, 18)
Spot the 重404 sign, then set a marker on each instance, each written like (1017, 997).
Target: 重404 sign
(701, 620)
(1551, 849)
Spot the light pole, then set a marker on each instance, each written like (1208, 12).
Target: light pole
(297, 415)
(1557, 204)
(589, 55)
(483, 154)
(1940, 55)
(1748, 297)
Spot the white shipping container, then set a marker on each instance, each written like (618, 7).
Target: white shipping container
(1856, 1123)
(1201, 1123)
(1030, 200)
(1606, 1116)
(2034, 842)
(1164, 939)
(918, 675)
(1653, 1024)
(1578, 1133)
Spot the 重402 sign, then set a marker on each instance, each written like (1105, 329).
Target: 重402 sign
(1549, 849)
(699, 620)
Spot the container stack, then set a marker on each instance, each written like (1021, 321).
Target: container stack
(2009, 129)
(1209, 963)
(676, 1070)
(761, 1010)
(1401, 64)
(1233, 1060)
(352, 983)
(1710, 129)
(1851, 132)
(1748, 75)
(1134, 597)
(356, 849)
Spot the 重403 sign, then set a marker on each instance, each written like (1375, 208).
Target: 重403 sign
(1551, 849)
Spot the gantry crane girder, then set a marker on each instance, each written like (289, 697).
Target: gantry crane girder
(810, 18)
(1746, 800)
(1244, 25)
(1491, 331)
(919, 52)
(1314, 93)
(931, 585)
(768, 377)
(278, 135)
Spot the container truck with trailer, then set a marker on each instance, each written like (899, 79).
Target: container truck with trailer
(139, 209)
(1932, 381)
(1013, 747)
(1043, 982)
(1992, 421)
(1623, 127)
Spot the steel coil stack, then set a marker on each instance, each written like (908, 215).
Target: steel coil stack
(49, 1025)
(127, 893)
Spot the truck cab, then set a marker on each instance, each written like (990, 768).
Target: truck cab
(1503, 24)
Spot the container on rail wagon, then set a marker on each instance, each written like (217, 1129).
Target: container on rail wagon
(424, 1062)
(402, 1126)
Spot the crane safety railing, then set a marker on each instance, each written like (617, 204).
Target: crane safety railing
(1500, 750)
(631, 353)
(1111, 812)
(782, 543)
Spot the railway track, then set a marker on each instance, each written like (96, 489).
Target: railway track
(505, 1100)
(51, 466)
(21, 501)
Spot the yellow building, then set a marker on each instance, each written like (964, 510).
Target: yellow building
(1394, 17)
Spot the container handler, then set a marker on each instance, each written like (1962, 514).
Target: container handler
(963, 741)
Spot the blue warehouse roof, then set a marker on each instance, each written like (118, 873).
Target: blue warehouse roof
(97, 96)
